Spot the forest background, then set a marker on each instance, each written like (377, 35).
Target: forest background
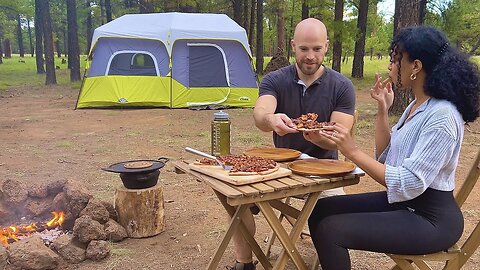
(356, 27)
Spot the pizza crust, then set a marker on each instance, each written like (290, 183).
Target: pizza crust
(269, 171)
(308, 129)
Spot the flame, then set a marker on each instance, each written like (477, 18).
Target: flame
(57, 220)
(12, 233)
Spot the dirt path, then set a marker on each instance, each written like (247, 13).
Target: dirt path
(43, 139)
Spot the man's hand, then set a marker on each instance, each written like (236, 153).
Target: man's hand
(280, 123)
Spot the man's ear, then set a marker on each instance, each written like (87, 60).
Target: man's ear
(327, 45)
(292, 43)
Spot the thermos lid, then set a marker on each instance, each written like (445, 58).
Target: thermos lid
(221, 115)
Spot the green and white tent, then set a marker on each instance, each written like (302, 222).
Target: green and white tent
(174, 60)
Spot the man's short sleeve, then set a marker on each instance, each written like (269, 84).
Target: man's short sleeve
(346, 98)
(267, 86)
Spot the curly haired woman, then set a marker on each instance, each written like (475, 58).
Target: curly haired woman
(416, 159)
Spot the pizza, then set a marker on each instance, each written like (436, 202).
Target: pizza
(138, 164)
(308, 122)
(245, 165)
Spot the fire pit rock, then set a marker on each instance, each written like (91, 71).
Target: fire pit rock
(31, 253)
(69, 248)
(97, 250)
(92, 222)
(115, 232)
(3, 257)
(14, 192)
(86, 229)
(97, 211)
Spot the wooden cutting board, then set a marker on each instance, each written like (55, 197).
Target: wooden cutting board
(320, 167)
(221, 174)
(277, 154)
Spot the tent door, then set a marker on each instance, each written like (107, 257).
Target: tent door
(207, 65)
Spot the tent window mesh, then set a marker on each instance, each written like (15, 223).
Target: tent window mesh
(132, 64)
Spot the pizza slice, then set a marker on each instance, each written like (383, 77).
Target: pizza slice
(308, 122)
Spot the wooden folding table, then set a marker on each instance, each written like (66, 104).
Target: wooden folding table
(267, 195)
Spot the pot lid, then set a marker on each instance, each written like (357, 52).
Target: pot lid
(136, 166)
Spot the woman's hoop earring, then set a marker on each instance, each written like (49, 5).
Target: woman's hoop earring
(413, 77)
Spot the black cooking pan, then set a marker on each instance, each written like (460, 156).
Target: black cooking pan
(138, 178)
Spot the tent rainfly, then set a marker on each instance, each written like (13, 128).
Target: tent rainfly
(174, 60)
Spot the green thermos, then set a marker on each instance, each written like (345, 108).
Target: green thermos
(220, 134)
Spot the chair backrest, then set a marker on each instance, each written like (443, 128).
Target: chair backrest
(469, 182)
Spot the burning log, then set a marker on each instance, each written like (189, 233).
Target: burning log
(141, 211)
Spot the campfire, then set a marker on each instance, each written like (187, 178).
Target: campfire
(15, 233)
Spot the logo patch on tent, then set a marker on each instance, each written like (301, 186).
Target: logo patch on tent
(122, 100)
(244, 98)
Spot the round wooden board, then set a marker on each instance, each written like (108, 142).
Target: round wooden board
(320, 167)
(277, 154)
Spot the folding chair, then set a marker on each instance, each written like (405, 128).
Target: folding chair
(291, 220)
(455, 257)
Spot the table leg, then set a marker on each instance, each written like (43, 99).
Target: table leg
(283, 237)
(235, 221)
(246, 234)
(297, 230)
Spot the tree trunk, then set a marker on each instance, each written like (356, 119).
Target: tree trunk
(73, 47)
(32, 50)
(358, 55)
(259, 54)
(251, 32)
(7, 48)
(57, 47)
(145, 6)
(39, 38)
(48, 43)
(337, 36)
(1, 42)
(108, 10)
(245, 16)
(65, 42)
(21, 49)
(423, 11)
(305, 10)
(237, 11)
(287, 43)
(280, 28)
(102, 11)
(407, 13)
(89, 27)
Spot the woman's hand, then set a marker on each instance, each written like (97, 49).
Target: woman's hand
(341, 136)
(382, 92)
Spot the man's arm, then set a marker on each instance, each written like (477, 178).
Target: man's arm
(266, 119)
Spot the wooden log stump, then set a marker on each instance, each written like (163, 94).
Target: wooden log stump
(141, 211)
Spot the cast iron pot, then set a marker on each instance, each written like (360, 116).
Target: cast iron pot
(138, 178)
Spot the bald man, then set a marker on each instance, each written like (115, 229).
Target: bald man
(304, 87)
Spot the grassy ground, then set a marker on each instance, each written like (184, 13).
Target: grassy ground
(18, 71)
(21, 71)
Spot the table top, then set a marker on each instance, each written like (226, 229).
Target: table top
(292, 185)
